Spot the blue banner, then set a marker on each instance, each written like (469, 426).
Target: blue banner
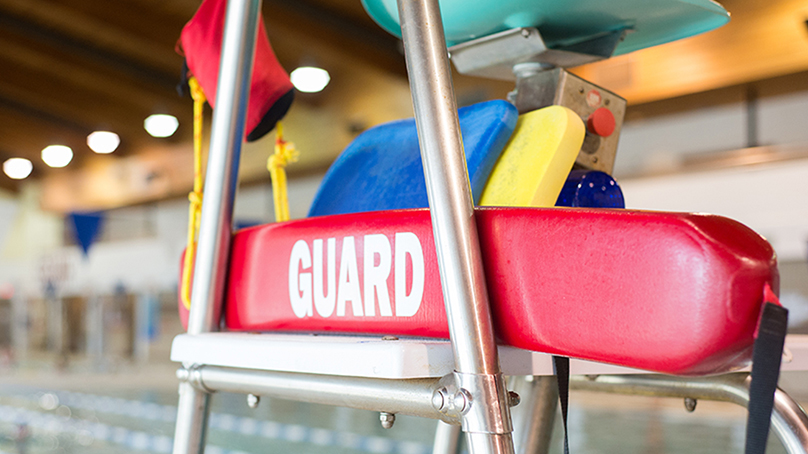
(86, 227)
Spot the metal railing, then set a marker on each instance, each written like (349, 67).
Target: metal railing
(483, 403)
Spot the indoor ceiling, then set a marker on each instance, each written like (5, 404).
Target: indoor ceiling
(70, 67)
(74, 66)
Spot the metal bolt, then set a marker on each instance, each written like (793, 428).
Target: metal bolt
(389, 338)
(183, 374)
(525, 33)
(690, 404)
(439, 399)
(387, 419)
(513, 399)
(253, 400)
(462, 401)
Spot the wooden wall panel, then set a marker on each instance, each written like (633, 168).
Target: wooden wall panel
(764, 39)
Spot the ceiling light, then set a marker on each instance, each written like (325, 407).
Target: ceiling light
(309, 79)
(103, 142)
(161, 125)
(57, 156)
(17, 168)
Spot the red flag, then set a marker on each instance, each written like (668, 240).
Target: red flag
(271, 91)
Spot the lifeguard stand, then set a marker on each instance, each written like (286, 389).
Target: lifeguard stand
(459, 382)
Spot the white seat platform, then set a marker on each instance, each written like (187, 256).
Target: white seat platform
(365, 356)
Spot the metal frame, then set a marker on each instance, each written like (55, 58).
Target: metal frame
(496, 56)
(538, 87)
(481, 400)
(414, 397)
(534, 417)
(533, 421)
(475, 395)
(789, 420)
(227, 131)
(446, 439)
(480, 385)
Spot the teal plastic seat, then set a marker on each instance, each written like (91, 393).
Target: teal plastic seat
(567, 22)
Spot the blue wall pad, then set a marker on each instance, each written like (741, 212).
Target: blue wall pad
(381, 169)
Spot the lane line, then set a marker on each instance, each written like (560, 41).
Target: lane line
(221, 421)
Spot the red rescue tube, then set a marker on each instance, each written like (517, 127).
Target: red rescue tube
(668, 292)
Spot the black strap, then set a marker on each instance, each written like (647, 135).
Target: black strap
(768, 350)
(182, 87)
(562, 371)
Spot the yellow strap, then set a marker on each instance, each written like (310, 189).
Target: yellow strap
(195, 197)
(284, 153)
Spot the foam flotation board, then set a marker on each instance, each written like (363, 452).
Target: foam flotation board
(667, 292)
(382, 170)
(534, 165)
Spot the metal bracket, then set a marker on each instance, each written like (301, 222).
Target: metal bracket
(521, 54)
(537, 87)
(463, 396)
(494, 56)
(192, 374)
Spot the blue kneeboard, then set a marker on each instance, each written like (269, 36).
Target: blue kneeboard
(382, 170)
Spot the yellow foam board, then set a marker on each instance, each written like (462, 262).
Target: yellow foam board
(536, 161)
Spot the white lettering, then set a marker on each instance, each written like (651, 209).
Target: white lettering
(349, 280)
(376, 276)
(407, 244)
(324, 302)
(300, 283)
(322, 291)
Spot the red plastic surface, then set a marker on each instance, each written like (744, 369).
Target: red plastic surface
(201, 44)
(601, 122)
(668, 292)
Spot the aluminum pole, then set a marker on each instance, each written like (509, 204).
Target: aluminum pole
(413, 397)
(447, 437)
(19, 327)
(215, 230)
(534, 417)
(487, 421)
(789, 420)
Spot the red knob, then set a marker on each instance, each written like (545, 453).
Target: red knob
(601, 122)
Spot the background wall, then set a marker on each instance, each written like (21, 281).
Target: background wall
(686, 154)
